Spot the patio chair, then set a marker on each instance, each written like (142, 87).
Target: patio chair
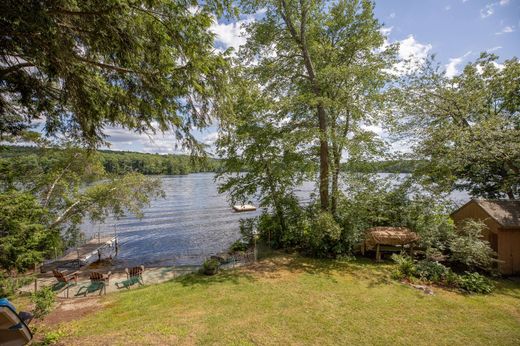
(133, 275)
(98, 281)
(65, 281)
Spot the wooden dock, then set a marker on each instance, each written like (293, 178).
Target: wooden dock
(93, 250)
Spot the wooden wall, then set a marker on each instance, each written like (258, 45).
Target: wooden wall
(508, 240)
(474, 211)
(509, 246)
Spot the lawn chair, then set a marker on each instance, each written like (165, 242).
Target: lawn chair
(133, 275)
(65, 281)
(98, 281)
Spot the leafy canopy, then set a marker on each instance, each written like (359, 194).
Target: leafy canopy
(80, 66)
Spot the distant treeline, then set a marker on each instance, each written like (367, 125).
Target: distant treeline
(120, 162)
(390, 166)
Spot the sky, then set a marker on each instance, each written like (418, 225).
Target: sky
(456, 31)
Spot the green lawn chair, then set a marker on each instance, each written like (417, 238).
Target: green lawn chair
(133, 276)
(65, 281)
(98, 281)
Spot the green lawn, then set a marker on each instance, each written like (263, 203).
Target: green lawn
(299, 301)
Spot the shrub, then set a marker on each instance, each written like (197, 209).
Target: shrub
(468, 249)
(43, 300)
(237, 246)
(432, 271)
(9, 285)
(323, 234)
(475, 283)
(210, 267)
(405, 267)
(53, 337)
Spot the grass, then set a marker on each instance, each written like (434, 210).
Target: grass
(299, 301)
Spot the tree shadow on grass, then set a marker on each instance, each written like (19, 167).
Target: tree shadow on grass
(362, 269)
(508, 287)
(225, 276)
(278, 264)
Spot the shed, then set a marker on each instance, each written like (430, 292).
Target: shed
(502, 218)
(396, 237)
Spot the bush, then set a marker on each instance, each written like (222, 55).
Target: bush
(468, 249)
(43, 300)
(9, 285)
(475, 283)
(237, 246)
(323, 235)
(432, 271)
(210, 267)
(405, 267)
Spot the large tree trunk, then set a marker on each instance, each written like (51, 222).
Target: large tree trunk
(324, 159)
(301, 39)
(335, 181)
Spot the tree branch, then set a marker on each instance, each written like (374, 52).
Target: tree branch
(103, 65)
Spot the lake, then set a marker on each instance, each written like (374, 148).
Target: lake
(191, 223)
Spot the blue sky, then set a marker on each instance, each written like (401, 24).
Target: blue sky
(457, 31)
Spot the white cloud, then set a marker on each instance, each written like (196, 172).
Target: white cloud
(494, 49)
(392, 15)
(487, 11)
(506, 30)
(504, 2)
(447, 8)
(412, 53)
(385, 31)
(210, 138)
(232, 34)
(451, 67)
(410, 48)
(161, 143)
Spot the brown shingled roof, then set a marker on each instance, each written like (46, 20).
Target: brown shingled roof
(505, 212)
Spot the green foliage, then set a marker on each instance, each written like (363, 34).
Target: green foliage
(405, 267)
(322, 70)
(475, 283)
(24, 238)
(44, 197)
(433, 271)
(468, 248)
(113, 162)
(9, 285)
(467, 127)
(53, 337)
(82, 66)
(210, 266)
(43, 301)
(238, 246)
(323, 235)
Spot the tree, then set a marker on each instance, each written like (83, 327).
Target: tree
(81, 66)
(312, 57)
(468, 127)
(261, 155)
(47, 196)
(24, 239)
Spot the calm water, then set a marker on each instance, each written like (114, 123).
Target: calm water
(190, 224)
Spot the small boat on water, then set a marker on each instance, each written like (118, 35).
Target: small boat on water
(244, 207)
